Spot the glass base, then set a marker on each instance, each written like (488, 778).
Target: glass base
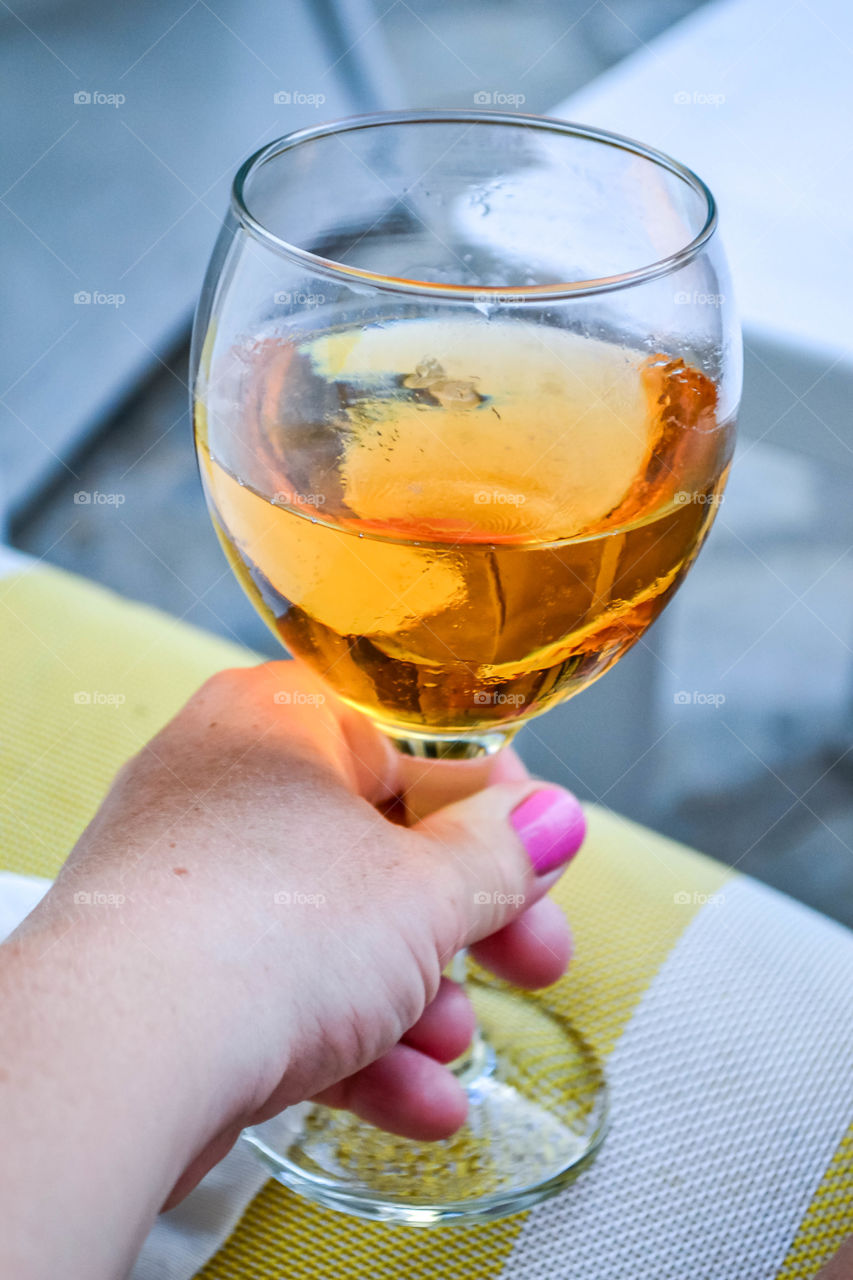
(537, 1113)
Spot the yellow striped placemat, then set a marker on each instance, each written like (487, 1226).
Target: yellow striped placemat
(685, 974)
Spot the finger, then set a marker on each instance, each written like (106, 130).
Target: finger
(383, 772)
(497, 853)
(427, 785)
(211, 1155)
(445, 1027)
(404, 1092)
(532, 951)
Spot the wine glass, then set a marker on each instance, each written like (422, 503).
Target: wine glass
(465, 386)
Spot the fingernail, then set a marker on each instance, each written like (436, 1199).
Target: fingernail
(551, 826)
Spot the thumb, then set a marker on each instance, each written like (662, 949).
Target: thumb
(501, 850)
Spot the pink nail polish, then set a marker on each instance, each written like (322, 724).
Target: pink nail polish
(551, 826)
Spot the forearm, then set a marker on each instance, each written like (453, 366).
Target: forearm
(105, 1091)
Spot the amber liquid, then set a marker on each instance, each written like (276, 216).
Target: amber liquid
(458, 524)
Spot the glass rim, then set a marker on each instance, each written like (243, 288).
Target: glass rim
(507, 294)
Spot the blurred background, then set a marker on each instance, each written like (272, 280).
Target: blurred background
(730, 727)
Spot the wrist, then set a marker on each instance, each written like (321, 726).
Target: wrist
(93, 1129)
(111, 989)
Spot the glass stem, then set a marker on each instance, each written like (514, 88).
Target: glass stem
(423, 797)
(431, 746)
(478, 1060)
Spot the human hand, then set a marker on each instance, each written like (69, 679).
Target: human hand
(293, 934)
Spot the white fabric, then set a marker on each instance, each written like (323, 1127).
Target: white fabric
(18, 896)
(181, 1241)
(732, 1087)
(12, 561)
